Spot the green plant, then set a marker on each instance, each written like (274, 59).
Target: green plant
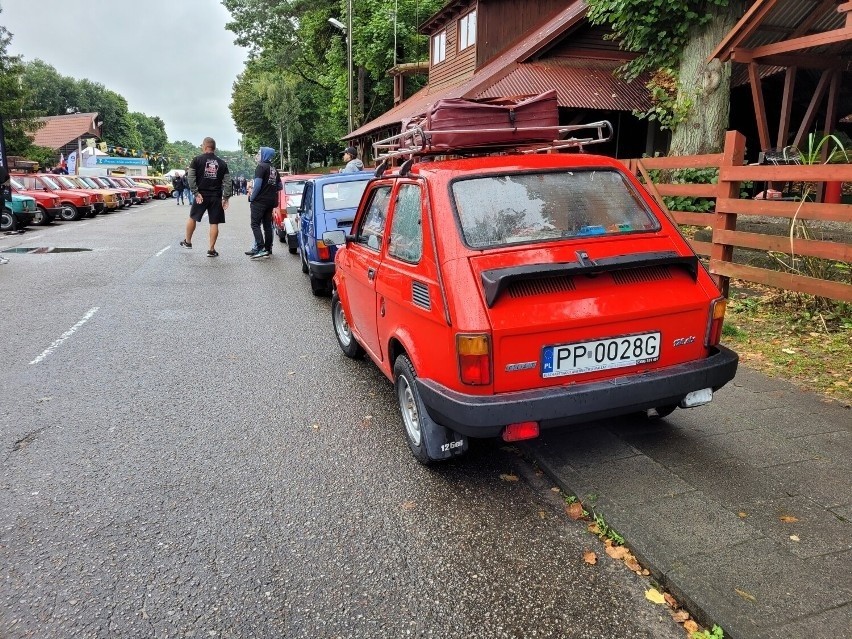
(730, 330)
(715, 633)
(604, 531)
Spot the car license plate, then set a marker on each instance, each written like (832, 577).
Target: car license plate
(599, 355)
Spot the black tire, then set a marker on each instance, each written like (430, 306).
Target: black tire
(320, 287)
(347, 342)
(292, 244)
(411, 409)
(70, 213)
(7, 221)
(304, 261)
(282, 235)
(661, 411)
(162, 196)
(41, 217)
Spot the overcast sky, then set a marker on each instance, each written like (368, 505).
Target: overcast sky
(169, 58)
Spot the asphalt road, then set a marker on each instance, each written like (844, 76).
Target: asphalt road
(186, 453)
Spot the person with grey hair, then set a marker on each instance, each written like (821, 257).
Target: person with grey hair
(210, 184)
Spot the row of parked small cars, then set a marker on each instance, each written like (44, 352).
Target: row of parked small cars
(41, 198)
(505, 294)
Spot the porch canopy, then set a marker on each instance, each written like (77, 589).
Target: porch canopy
(813, 37)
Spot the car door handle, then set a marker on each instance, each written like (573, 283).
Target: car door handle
(371, 274)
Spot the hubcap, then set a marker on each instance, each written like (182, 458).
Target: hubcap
(343, 332)
(408, 408)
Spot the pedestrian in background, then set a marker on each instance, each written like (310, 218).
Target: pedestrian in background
(353, 164)
(186, 190)
(262, 199)
(210, 183)
(177, 184)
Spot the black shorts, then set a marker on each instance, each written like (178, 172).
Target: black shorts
(212, 206)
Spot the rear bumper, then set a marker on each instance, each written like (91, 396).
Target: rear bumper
(487, 415)
(321, 270)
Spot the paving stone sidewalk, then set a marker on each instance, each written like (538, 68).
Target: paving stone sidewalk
(742, 508)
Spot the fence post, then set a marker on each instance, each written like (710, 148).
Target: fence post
(733, 155)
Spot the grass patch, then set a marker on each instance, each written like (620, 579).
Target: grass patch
(803, 339)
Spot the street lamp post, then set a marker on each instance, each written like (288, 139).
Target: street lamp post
(347, 31)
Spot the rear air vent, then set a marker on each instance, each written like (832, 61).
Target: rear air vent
(543, 286)
(639, 275)
(420, 295)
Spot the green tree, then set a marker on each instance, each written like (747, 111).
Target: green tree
(14, 102)
(50, 92)
(151, 131)
(675, 37)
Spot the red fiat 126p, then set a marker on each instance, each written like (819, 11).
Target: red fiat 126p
(503, 294)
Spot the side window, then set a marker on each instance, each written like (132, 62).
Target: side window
(372, 226)
(306, 198)
(406, 234)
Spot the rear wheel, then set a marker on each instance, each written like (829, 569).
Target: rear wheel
(348, 344)
(320, 287)
(292, 244)
(282, 235)
(162, 195)
(304, 261)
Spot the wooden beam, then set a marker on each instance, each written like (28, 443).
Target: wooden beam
(786, 107)
(744, 28)
(810, 114)
(803, 61)
(833, 101)
(733, 155)
(805, 42)
(759, 106)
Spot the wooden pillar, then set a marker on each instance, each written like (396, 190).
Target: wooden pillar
(733, 155)
(759, 106)
(786, 107)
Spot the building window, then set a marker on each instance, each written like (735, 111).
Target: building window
(467, 30)
(439, 47)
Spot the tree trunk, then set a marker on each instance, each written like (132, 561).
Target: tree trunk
(707, 85)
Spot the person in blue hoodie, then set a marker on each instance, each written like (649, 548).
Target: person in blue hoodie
(263, 198)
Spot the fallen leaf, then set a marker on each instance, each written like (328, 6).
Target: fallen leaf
(632, 564)
(744, 594)
(690, 626)
(609, 542)
(315, 426)
(575, 510)
(645, 572)
(508, 477)
(680, 616)
(655, 596)
(742, 514)
(788, 519)
(593, 528)
(617, 552)
(541, 514)
(408, 505)
(590, 557)
(789, 351)
(795, 537)
(555, 489)
(672, 601)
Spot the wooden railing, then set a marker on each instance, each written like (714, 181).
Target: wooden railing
(728, 206)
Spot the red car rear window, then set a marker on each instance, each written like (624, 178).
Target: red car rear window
(499, 210)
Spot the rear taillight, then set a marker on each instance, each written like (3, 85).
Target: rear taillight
(520, 431)
(715, 321)
(474, 353)
(322, 250)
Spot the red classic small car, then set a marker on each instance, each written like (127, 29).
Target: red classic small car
(48, 206)
(75, 204)
(509, 293)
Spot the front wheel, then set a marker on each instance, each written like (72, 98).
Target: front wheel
(41, 217)
(7, 221)
(70, 213)
(162, 195)
(350, 347)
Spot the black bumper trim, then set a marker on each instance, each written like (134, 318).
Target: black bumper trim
(487, 415)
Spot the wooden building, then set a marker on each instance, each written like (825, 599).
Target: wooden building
(493, 48)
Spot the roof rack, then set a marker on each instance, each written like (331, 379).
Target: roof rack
(417, 141)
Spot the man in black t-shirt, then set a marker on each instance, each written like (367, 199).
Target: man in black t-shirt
(210, 184)
(263, 198)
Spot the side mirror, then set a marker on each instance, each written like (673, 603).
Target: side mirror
(334, 238)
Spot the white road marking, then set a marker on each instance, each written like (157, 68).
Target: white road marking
(162, 251)
(35, 237)
(66, 335)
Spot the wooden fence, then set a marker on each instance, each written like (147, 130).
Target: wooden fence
(728, 206)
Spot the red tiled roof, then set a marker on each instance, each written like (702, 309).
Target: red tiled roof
(59, 130)
(577, 87)
(578, 83)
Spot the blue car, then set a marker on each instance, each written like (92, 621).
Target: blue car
(328, 203)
